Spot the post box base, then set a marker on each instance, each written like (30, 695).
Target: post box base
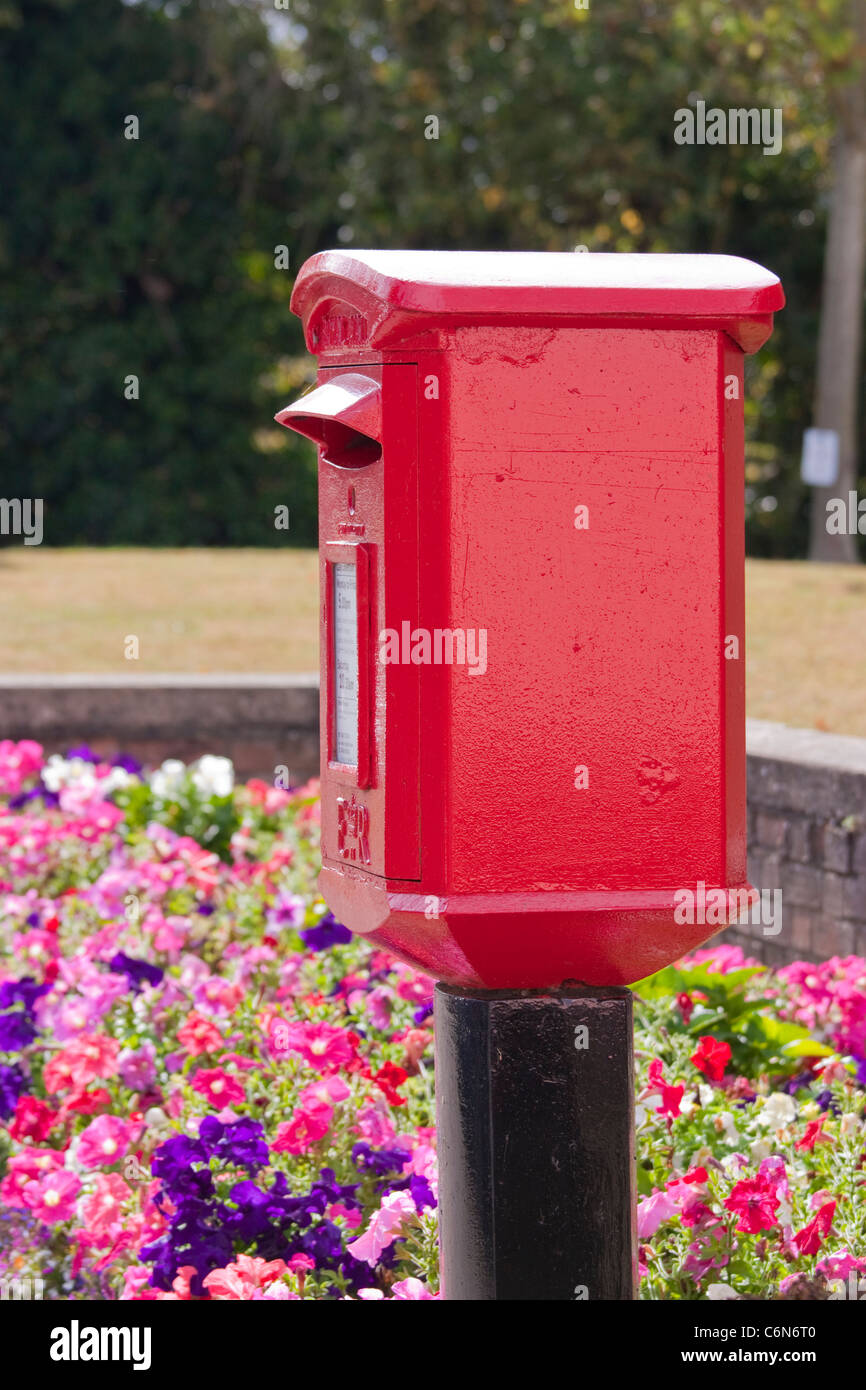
(520, 940)
(535, 1110)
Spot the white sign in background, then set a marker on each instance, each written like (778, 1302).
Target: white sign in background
(819, 465)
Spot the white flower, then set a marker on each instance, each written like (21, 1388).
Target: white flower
(779, 1110)
(61, 772)
(733, 1164)
(849, 1124)
(213, 776)
(168, 779)
(117, 777)
(721, 1293)
(760, 1149)
(729, 1128)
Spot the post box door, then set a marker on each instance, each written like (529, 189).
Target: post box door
(364, 419)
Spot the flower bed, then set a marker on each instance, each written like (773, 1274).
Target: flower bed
(209, 1089)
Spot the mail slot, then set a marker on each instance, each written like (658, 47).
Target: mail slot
(532, 558)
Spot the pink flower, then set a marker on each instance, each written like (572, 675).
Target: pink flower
(86, 1057)
(424, 1162)
(379, 1005)
(330, 1089)
(652, 1212)
(277, 1291)
(197, 1035)
(840, 1265)
(352, 1218)
(18, 761)
(135, 1280)
(24, 1169)
(218, 1087)
(384, 1228)
(320, 1045)
(52, 1198)
(103, 1142)
(309, 1124)
(101, 1208)
(706, 1252)
(375, 1125)
(413, 1289)
(243, 1277)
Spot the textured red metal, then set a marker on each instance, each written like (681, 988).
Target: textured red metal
(547, 741)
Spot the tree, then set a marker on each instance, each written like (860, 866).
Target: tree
(144, 163)
(841, 334)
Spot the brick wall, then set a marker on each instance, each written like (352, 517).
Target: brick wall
(260, 722)
(807, 837)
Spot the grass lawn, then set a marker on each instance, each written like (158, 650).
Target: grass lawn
(256, 611)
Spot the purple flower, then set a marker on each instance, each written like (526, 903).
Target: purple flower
(423, 1012)
(85, 754)
(378, 1161)
(288, 910)
(136, 971)
(241, 1143)
(13, 1083)
(49, 798)
(825, 1101)
(24, 991)
(138, 1069)
(16, 1032)
(798, 1082)
(327, 933)
(128, 763)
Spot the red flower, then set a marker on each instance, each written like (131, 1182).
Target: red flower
(711, 1057)
(387, 1078)
(686, 1006)
(655, 1076)
(671, 1096)
(808, 1241)
(198, 1035)
(813, 1135)
(82, 1060)
(756, 1203)
(33, 1119)
(85, 1102)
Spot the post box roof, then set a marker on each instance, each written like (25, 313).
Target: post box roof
(384, 296)
(533, 285)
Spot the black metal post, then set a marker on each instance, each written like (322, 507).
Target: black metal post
(536, 1144)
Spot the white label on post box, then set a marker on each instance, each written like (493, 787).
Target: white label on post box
(346, 664)
(819, 465)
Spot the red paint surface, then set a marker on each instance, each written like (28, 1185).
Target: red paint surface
(605, 646)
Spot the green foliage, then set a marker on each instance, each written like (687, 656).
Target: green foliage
(728, 1010)
(208, 819)
(140, 257)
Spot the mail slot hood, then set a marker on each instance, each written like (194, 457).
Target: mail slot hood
(343, 416)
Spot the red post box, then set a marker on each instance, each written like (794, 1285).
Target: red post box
(531, 539)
